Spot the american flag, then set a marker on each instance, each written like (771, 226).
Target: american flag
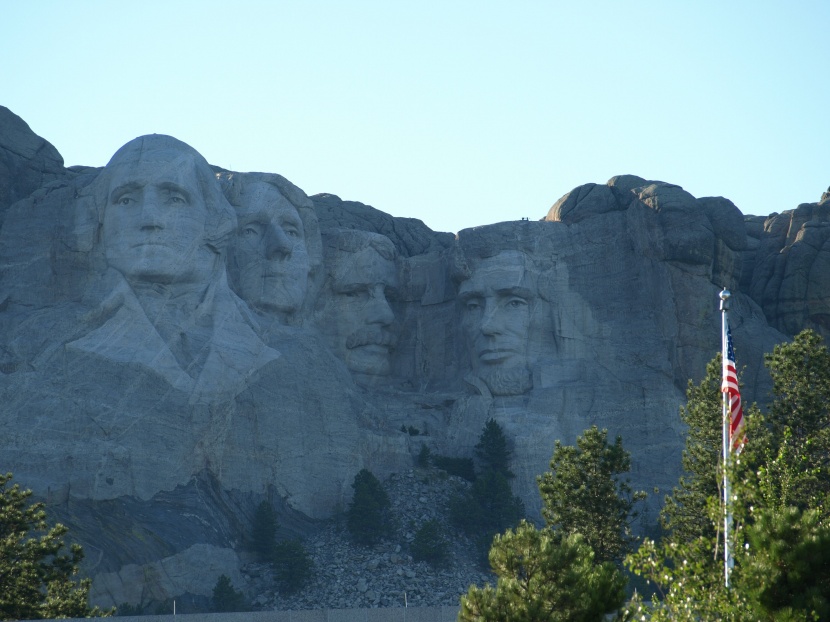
(737, 435)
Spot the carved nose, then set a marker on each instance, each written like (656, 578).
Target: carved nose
(491, 322)
(277, 244)
(151, 217)
(378, 309)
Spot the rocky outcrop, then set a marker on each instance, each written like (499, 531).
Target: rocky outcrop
(791, 272)
(410, 235)
(179, 343)
(27, 162)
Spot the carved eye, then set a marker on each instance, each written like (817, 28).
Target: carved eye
(124, 200)
(355, 294)
(516, 303)
(177, 199)
(472, 305)
(251, 230)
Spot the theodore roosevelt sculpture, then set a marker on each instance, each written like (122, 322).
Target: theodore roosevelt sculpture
(498, 302)
(354, 312)
(164, 226)
(275, 250)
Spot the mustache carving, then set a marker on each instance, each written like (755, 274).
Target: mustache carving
(371, 337)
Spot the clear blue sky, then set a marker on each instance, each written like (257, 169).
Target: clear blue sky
(460, 113)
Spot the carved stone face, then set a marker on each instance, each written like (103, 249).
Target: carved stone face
(357, 317)
(497, 308)
(268, 259)
(154, 223)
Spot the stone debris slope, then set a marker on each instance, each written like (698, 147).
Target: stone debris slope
(347, 575)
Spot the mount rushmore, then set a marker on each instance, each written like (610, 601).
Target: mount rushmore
(180, 342)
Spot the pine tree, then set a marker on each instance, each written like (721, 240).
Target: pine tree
(684, 514)
(368, 517)
(789, 567)
(492, 450)
(544, 576)
(293, 566)
(584, 493)
(430, 546)
(794, 436)
(264, 532)
(225, 597)
(800, 373)
(490, 506)
(781, 486)
(487, 509)
(37, 575)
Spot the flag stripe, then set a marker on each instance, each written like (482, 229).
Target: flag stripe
(737, 435)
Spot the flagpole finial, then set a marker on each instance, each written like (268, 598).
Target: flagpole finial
(725, 295)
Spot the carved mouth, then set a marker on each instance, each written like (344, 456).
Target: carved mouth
(374, 348)
(150, 243)
(381, 340)
(495, 355)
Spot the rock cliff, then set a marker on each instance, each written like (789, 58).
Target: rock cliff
(179, 343)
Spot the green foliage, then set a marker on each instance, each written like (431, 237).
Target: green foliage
(36, 573)
(368, 518)
(225, 598)
(490, 506)
(544, 576)
(264, 532)
(424, 456)
(684, 514)
(492, 450)
(800, 373)
(496, 507)
(293, 566)
(583, 493)
(430, 546)
(462, 467)
(787, 569)
(783, 574)
(796, 431)
(689, 581)
(781, 486)
(784, 475)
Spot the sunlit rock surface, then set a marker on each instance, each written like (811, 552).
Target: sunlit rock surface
(177, 345)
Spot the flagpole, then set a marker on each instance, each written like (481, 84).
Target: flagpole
(727, 516)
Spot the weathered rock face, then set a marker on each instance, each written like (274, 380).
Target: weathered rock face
(177, 345)
(791, 276)
(135, 377)
(27, 162)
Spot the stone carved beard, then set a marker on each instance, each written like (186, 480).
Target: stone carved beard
(507, 381)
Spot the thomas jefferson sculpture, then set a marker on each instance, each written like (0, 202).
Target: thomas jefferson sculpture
(275, 250)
